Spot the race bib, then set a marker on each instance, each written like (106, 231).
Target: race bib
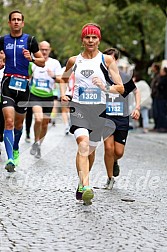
(42, 84)
(18, 83)
(89, 94)
(114, 108)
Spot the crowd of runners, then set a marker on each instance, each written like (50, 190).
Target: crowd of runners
(93, 92)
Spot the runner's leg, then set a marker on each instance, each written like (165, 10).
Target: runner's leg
(8, 113)
(38, 115)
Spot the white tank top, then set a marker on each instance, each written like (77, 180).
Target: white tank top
(84, 90)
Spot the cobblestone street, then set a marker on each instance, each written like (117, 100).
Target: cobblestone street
(39, 212)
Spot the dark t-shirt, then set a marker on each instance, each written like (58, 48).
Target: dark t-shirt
(15, 62)
(122, 121)
(162, 87)
(129, 86)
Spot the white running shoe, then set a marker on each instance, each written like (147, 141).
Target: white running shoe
(67, 130)
(38, 152)
(110, 183)
(34, 148)
(28, 140)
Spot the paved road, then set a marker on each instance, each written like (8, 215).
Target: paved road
(38, 210)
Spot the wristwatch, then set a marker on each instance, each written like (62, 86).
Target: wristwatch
(33, 59)
(107, 89)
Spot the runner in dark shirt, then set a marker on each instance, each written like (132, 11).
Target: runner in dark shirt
(19, 49)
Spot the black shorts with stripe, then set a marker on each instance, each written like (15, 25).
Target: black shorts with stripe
(14, 98)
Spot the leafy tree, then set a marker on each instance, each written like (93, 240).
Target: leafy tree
(136, 39)
(135, 27)
(162, 5)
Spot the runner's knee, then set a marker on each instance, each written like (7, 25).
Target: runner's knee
(9, 123)
(119, 153)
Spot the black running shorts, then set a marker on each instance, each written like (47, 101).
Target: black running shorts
(119, 126)
(14, 98)
(45, 102)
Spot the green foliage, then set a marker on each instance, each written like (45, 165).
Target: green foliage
(137, 28)
(162, 5)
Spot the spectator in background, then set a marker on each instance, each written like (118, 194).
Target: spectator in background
(146, 100)
(155, 69)
(162, 101)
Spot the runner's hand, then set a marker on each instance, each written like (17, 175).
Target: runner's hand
(135, 114)
(65, 98)
(51, 73)
(27, 54)
(65, 101)
(98, 82)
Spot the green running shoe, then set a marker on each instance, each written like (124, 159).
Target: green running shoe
(87, 195)
(10, 165)
(79, 192)
(16, 157)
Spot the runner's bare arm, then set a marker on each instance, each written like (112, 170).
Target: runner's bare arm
(65, 77)
(114, 72)
(136, 112)
(38, 58)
